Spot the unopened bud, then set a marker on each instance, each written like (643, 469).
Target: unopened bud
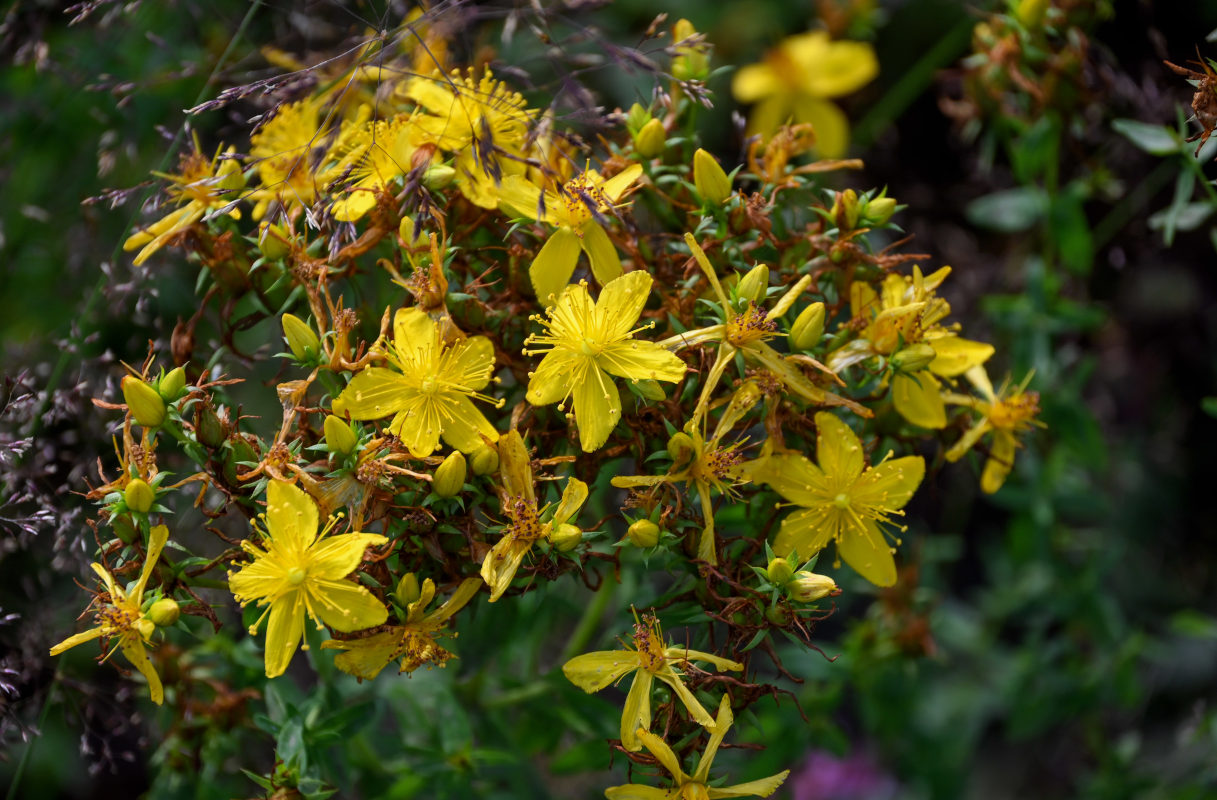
(808, 327)
(438, 176)
(240, 454)
(164, 612)
(845, 210)
(779, 571)
(753, 285)
(170, 387)
(914, 357)
(649, 141)
(408, 590)
(208, 427)
(1031, 12)
(777, 615)
(808, 587)
(484, 460)
(680, 446)
(273, 241)
(339, 437)
(123, 529)
(691, 61)
(301, 338)
(636, 119)
(411, 236)
(139, 496)
(229, 177)
(449, 476)
(880, 210)
(145, 403)
(566, 537)
(643, 533)
(712, 183)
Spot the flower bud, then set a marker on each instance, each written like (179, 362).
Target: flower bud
(845, 210)
(1031, 12)
(146, 405)
(708, 177)
(484, 460)
(643, 533)
(808, 327)
(273, 241)
(301, 338)
(566, 537)
(691, 61)
(229, 176)
(880, 210)
(171, 385)
(914, 357)
(777, 615)
(139, 496)
(680, 446)
(753, 285)
(808, 587)
(408, 590)
(164, 612)
(649, 142)
(779, 571)
(449, 476)
(636, 119)
(339, 437)
(438, 177)
(240, 453)
(209, 429)
(411, 236)
(123, 529)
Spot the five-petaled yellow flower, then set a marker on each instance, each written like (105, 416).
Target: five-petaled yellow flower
(297, 573)
(843, 499)
(123, 618)
(649, 658)
(578, 211)
(525, 522)
(414, 643)
(695, 786)
(795, 81)
(588, 344)
(429, 392)
(1007, 412)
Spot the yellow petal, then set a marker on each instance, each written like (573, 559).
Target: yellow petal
(695, 708)
(291, 516)
(345, 605)
(755, 81)
(794, 477)
(521, 198)
(468, 425)
(606, 265)
(597, 408)
(75, 639)
(156, 543)
(830, 124)
(968, 440)
(463, 594)
(889, 485)
(722, 723)
(636, 715)
(418, 424)
(621, 302)
(365, 658)
(472, 361)
(918, 398)
(685, 654)
(640, 360)
(837, 447)
(617, 185)
(373, 393)
(867, 551)
(284, 632)
(955, 356)
(501, 563)
(663, 754)
(805, 532)
(592, 672)
(770, 114)
(515, 466)
(636, 791)
(134, 650)
(758, 788)
(415, 335)
(1000, 462)
(263, 578)
(831, 69)
(336, 557)
(551, 381)
(551, 269)
(572, 500)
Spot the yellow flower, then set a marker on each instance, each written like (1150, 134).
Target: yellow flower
(203, 184)
(389, 155)
(297, 573)
(481, 121)
(1007, 413)
(429, 391)
(525, 522)
(578, 211)
(905, 316)
(588, 344)
(843, 499)
(648, 658)
(695, 786)
(795, 81)
(123, 618)
(414, 643)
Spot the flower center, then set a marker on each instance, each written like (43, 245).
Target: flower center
(841, 501)
(590, 347)
(296, 576)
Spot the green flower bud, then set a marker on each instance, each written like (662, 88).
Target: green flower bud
(408, 590)
(1031, 12)
(846, 209)
(301, 338)
(808, 327)
(649, 142)
(438, 177)
(636, 119)
(708, 177)
(209, 429)
(566, 537)
(680, 446)
(777, 615)
(643, 533)
(239, 450)
(753, 285)
(123, 529)
(449, 476)
(880, 210)
(273, 241)
(691, 61)
(164, 612)
(139, 496)
(339, 437)
(780, 571)
(170, 387)
(914, 357)
(484, 460)
(808, 587)
(146, 405)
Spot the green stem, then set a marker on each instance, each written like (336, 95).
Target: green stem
(586, 628)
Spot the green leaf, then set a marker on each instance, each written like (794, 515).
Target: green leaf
(1194, 624)
(1154, 139)
(1010, 210)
